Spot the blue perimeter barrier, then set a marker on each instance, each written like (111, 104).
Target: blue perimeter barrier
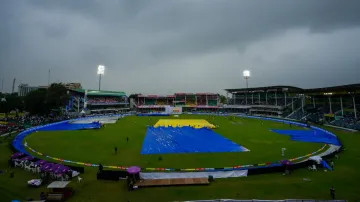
(18, 140)
(72, 126)
(166, 140)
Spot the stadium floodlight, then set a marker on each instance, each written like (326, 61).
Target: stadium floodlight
(100, 71)
(246, 74)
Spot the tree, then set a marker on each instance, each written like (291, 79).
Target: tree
(57, 96)
(43, 101)
(223, 99)
(10, 102)
(4, 106)
(15, 102)
(35, 102)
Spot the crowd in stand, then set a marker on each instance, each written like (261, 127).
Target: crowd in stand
(105, 100)
(22, 122)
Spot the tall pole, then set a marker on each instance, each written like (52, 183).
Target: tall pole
(353, 97)
(78, 109)
(246, 75)
(100, 71)
(302, 103)
(247, 86)
(342, 109)
(49, 78)
(13, 86)
(330, 105)
(314, 102)
(99, 81)
(266, 98)
(2, 84)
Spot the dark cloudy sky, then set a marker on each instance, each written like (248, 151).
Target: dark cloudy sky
(167, 46)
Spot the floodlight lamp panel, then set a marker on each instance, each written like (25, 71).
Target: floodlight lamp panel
(246, 73)
(101, 69)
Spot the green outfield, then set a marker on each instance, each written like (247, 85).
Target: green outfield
(97, 147)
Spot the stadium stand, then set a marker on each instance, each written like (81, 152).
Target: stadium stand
(97, 102)
(331, 105)
(201, 102)
(337, 105)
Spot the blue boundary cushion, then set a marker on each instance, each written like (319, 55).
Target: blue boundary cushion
(169, 140)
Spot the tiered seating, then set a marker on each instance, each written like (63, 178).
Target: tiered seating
(190, 100)
(102, 101)
(201, 100)
(347, 121)
(106, 100)
(298, 115)
(160, 102)
(141, 102)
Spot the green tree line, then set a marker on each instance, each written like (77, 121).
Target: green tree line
(38, 102)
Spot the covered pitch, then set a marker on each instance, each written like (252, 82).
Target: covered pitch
(195, 123)
(167, 140)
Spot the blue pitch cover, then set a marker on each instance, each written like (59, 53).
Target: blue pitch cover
(169, 140)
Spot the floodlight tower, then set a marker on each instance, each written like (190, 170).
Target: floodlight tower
(100, 71)
(246, 74)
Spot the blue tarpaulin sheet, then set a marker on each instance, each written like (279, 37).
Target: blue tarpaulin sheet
(325, 165)
(72, 126)
(167, 140)
(313, 135)
(18, 140)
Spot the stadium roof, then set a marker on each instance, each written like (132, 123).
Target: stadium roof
(267, 88)
(342, 88)
(157, 96)
(100, 93)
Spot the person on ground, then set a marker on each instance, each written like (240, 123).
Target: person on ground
(42, 196)
(332, 165)
(332, 192)
(115, 149)
(127, 139)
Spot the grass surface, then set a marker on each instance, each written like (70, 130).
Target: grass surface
(268, 186)
(97, 146)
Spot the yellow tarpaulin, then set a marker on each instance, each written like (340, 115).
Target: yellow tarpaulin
(196, 123)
